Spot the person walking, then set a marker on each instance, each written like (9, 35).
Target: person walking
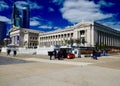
(55, 54)
(0, 50)
(50, 53)
(59, 55)
(8, 51)
(95, 54)
(14, 52)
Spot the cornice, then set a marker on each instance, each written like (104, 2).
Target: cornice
(14, 29)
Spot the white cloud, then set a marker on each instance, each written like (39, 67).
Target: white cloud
(21, 4)
(112, 24)
(77, 10)
(45, 27)
(50, 9)
(5, 19)
(107, 4)
(34, 18)
(58, 2)
(34, 21)
(3, 5)
(34, 5)
(55, 28)
(40, 22)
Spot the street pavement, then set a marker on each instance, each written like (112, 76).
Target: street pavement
(56, 61)
(7, 61)
(36, 71)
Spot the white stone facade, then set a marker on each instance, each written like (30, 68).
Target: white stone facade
(91, 32)
(82, 34)
(23, 37)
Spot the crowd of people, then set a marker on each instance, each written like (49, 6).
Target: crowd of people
(97, 53)
(57, 54)
(9, 50)
(60, 54)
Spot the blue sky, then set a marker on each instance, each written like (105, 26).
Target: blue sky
(47, 15)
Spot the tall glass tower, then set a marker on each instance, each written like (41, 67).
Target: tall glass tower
(3, 29)
(21, 14)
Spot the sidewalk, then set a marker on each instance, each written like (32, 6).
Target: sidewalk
(57, 61)
(45, 58)
(112, 61)
(83, 59)
(68, 72)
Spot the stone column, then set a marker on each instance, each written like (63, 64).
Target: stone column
(105, 39)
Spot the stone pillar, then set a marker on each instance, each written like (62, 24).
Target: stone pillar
(110, 40)
(105, 39)
(99, 38)
(92, 37)
(75, 33)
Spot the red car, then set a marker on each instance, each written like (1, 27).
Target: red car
(70, 56)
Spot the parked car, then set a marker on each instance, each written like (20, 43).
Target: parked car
(70, 56)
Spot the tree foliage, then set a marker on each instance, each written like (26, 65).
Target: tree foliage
(101, 46)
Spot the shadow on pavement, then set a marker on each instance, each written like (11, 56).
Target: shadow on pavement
(7, 60)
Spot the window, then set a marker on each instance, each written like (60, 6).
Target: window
(82, 32)
(71, 34)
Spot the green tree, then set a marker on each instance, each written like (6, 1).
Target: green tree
(101, 46)
(70, 42)
(83, 41)
(77, 41)
(97, 46)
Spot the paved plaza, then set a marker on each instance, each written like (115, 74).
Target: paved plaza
(38, 70)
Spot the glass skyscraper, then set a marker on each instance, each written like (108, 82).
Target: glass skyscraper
(3, 28)
(21, 15)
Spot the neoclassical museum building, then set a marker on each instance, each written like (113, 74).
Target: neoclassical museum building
(86, 34)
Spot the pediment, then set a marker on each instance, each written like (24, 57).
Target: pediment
(14, 29)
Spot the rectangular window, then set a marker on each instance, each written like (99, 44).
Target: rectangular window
(82, 32)
(18, 39)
